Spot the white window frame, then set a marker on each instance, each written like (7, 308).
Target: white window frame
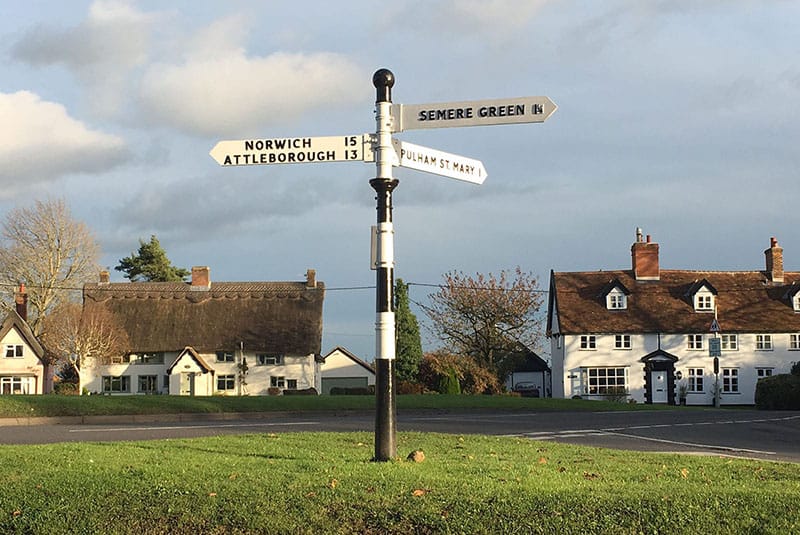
(226, 382)
(764, 342)
(694, 342)
(269, 359)
(616, 300)
(597, 380)
(147, 380)
(622, 341)
(116, 383)
(796, 302)
(729, 342)
(15, 351)
(277, 381)
(696, 380)
(764, 372)
(704, 301)
(730, 380)
(226, 356)
(13, 385)
(291, 384)
(588, 342)
(794, 342)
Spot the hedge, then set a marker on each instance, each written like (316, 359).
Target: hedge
(779, 392)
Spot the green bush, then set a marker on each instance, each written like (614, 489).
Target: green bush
(449, 383)
(353, 391)
(779, 392)
(303, 392)
(65, 389)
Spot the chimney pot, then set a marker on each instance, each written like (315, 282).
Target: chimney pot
(105, 277)
(311, 278)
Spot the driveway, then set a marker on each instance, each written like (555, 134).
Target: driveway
(773, 435)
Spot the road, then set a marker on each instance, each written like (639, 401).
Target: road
(773, 435)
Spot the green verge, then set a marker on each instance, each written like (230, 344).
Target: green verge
(53, 405)
(326, 483)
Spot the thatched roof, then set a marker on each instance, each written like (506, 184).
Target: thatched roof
(273, 317)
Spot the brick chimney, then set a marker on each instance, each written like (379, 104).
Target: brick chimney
(105, 277)
(21, 301)
(774, 261)
(311, 278)
(201, 278)
(644, 258)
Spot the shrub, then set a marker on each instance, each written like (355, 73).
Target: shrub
(353, 391)
(65, 389)
(616, 393)
(410, 387)
(473, 378)
(779, 392)
(303, 392)
(795, 368)
(449, 383)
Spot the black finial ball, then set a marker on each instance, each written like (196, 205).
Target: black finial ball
(383, 78)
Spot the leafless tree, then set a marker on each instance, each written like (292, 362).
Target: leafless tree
(487, 316)
(75, 335)
(53, 254)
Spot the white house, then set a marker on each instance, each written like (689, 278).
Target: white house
(203, 338)
(24, 368)
(650, 332)
(341, 368)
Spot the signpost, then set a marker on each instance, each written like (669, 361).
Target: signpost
(438, 162)
(715, 351)
(348, 148)
(386, 152)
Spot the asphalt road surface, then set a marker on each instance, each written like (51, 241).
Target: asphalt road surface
(772, 435)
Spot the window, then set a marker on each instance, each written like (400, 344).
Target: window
(225, 356)
(588, 342)
(291, 384)
(605, 380)
(615, 300)
(695, 341)
(764, 342)
(730, 380)
(150, 358)
(796, 302)
(278, 382)
(764, 372)
(116, 383)
(148, 384)
(695, 379)
(166, 383)
(120, 359)
(17, 385)
(264, 360)
(622, 341)
(226, 382)
(14, 351)
(794, 342)
(730, 342)
(704, 302)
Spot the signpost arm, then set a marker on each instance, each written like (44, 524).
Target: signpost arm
(384, 184)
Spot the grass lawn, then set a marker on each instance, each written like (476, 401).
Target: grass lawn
(53, 405)
(325, 483)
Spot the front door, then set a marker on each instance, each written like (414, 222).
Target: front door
(658, 382)
(187, 384)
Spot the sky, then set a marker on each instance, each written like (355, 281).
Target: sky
(677, 116)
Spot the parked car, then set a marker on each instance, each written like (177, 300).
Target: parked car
(527, 389)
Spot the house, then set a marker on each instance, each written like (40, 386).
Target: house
(341, 368)
(205, 338)
(531, 369)
(24, 368)
(650, 333)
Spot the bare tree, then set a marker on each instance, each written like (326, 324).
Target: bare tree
(487, 316)
(75, 335)
(44, 247)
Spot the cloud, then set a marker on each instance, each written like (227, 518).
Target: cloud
(101, 51)
(39, 142)
(236, 94)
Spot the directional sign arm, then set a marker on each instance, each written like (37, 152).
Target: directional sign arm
(346, 148)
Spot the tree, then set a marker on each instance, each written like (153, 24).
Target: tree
(50, 252)
(151, 264)
(487, 317)
(409, 345)
(75, 335)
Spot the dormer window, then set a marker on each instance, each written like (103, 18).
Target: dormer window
(616, 295)
(616, 300)
(796, 302)
(703, 296)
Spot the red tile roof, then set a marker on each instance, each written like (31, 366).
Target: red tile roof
(747, 301)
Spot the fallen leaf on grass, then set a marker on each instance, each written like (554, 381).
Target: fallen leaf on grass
(333, 483)
(684, 473)
(16, 513)
(233, 476)
(542, 460)
(590, 475)
(212, 494)
(419, 492)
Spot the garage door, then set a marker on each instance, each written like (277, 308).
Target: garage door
(342, 382)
